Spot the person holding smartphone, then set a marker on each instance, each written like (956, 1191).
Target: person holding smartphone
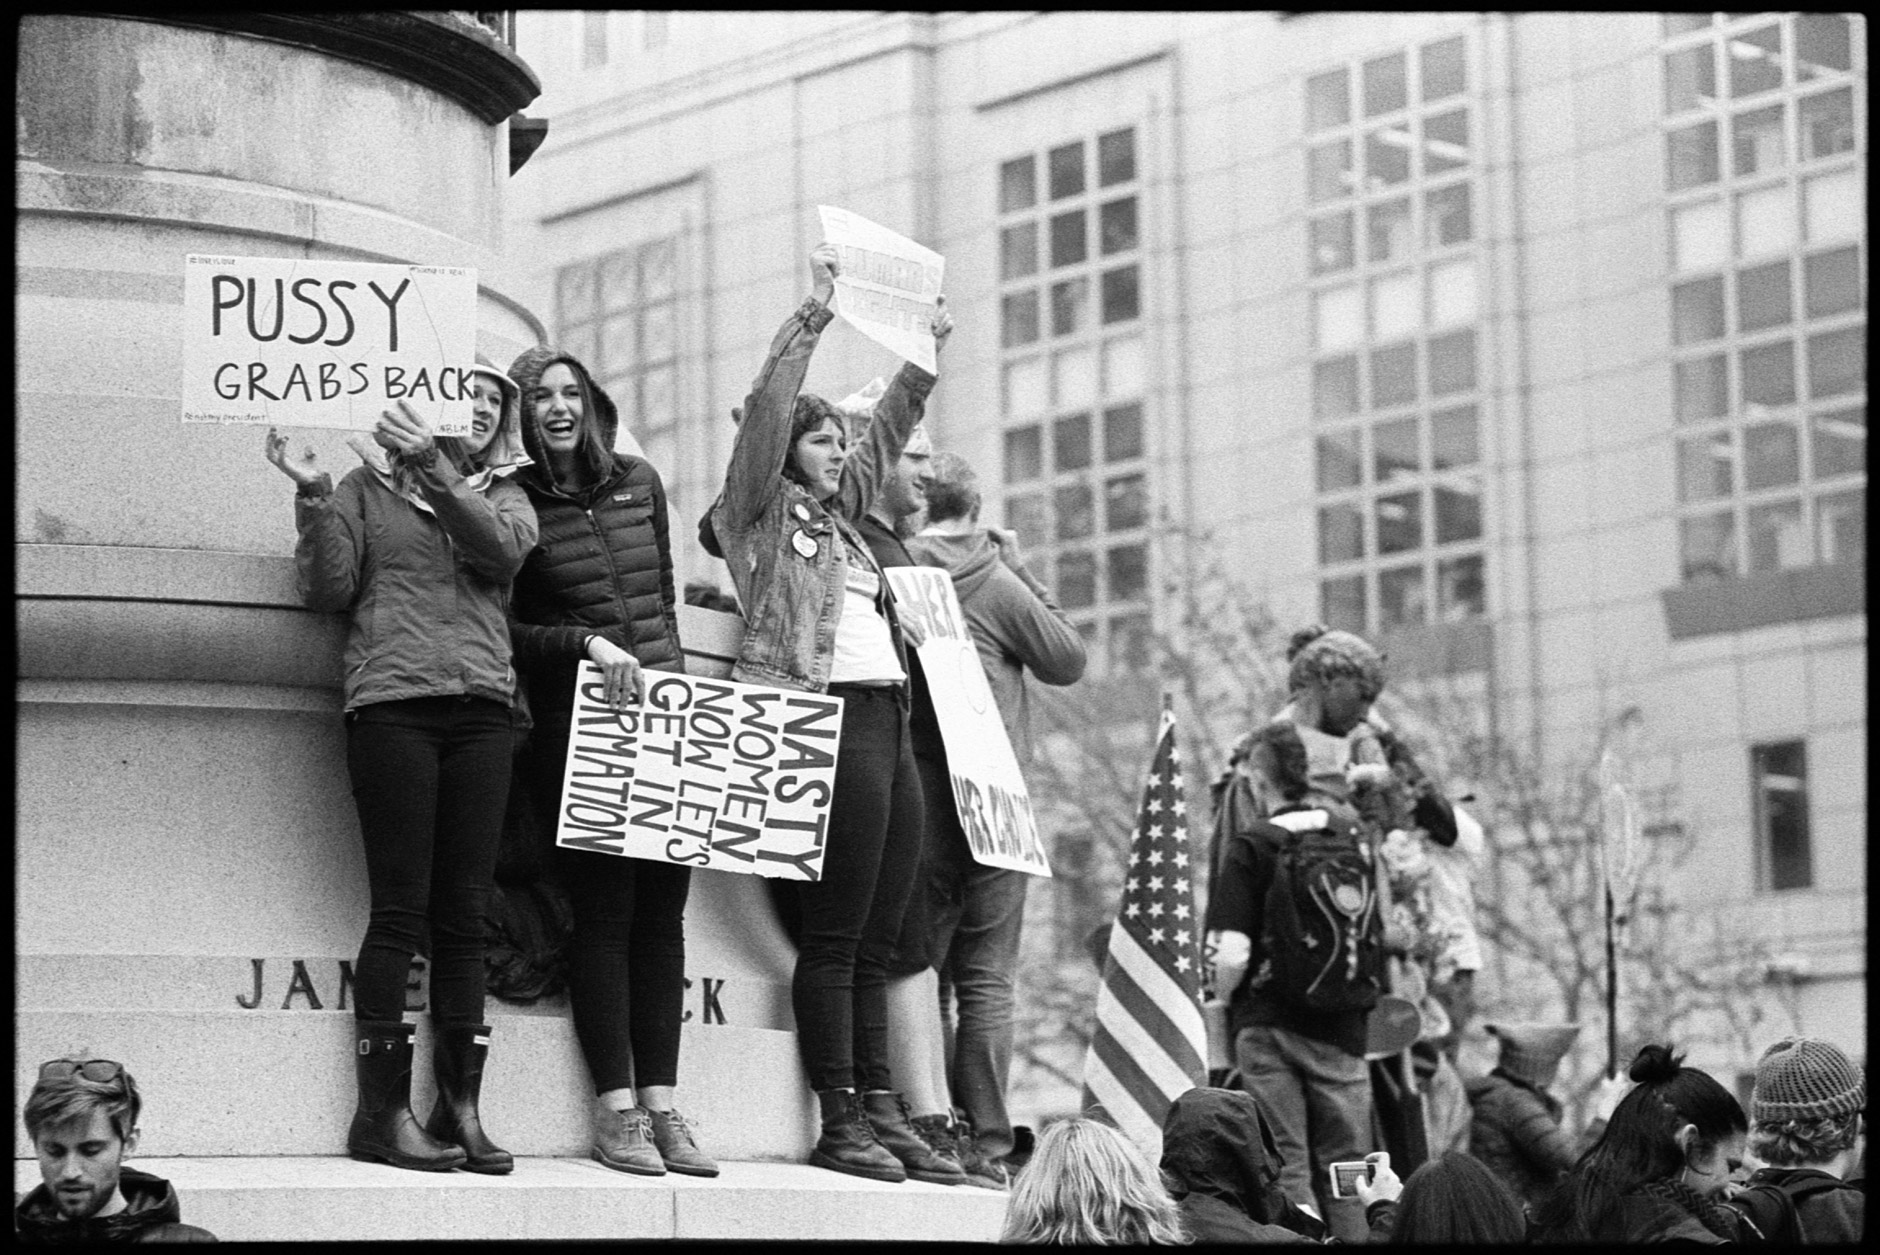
(420, 556)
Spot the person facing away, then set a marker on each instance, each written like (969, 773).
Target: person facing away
(81, 1118)
(598, 585)
(1088, 1185)
(419, 551)
(963, 926)
(1659, 1171)
(1806, 1126)
(1222, 1165)
(1515, 1129)
(1453, 1200)
(820, 617)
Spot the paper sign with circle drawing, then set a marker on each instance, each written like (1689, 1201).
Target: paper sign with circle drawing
(303, 343)
(988, 788)
(889, 285)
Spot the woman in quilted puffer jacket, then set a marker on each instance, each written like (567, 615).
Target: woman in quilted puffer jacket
(599, 586)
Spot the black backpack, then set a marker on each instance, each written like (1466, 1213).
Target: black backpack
(1324, 926)
(1772, 1205)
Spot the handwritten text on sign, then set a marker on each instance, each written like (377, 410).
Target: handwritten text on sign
(304, 343)
(889, 286)
(994, 805)
(707, 773)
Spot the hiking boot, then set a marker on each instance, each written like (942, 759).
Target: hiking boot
(457, 1055)
(888, 1113)
(623, 1140)
(383, 1128)
(672, 1136)
(986, 1171)
(848, 1143)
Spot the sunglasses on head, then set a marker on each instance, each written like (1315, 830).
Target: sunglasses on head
(102, 1071)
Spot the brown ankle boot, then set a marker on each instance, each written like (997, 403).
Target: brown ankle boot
(848, 1143)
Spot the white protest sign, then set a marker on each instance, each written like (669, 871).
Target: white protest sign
(301, 343)
(707, 773)
(988, 788)
(889, 286)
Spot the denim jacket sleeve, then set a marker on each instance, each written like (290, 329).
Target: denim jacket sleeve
(763, 440)
(897, 413)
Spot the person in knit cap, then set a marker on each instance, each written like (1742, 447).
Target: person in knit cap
(1516, 1126)
(1806, 1127)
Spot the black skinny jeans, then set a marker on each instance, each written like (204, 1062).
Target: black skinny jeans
(626, 965)
(430, 779)
(852, 916)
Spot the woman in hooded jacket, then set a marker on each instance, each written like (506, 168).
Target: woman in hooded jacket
(420, 550)
(1221, 1163)
(820, 617)
(599, 585)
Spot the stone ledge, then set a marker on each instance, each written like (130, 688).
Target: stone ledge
(339, 1199)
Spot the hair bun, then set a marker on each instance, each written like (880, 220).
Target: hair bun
(1303, 637)
(1655, 1064)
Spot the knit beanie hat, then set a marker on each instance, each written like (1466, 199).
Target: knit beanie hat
(1532, 1052)
(1805, 1078)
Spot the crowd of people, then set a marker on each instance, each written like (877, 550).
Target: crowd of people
(478, 572)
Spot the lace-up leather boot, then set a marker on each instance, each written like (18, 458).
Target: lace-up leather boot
(848, 1143)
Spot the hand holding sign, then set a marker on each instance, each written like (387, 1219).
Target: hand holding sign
(886, 286)
(404, 431)
(302, 469)
(621, 673)
(824, 265)
(942, 324)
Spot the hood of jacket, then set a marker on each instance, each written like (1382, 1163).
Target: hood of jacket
(149, 1201)
(503, 455)
(1217, 1142)
(505, 452)
(600, 421)
(969, 557)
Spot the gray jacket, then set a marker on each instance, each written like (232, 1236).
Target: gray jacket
(1014, 622)
(791, 599)
(428, 592)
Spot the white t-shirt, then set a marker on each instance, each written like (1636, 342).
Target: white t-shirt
(864, 647)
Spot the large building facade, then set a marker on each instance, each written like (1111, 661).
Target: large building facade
(1532, 345)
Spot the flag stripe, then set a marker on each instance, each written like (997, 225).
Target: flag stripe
(1103, 1088)
(1174, 1039)
(1151, 1056)
(1166, 997)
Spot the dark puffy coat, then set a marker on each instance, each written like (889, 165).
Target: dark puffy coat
(1516, 1133)
(1222, 1165)
(151, 1214)
(603, 562)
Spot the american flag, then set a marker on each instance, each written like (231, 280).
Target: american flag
(1150, 1044)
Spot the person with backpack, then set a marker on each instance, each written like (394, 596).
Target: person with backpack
(1296, 934)
(1806, 1127)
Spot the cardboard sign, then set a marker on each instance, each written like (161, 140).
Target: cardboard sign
(888, 287)
(994, 805)
(707, 773)
(299, 343)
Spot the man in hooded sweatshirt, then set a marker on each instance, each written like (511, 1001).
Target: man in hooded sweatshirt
(975, 911)
(1221, 1163)
(82, 1120)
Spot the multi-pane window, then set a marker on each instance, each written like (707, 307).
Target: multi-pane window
(1779, 786)
(619, 315)
(1390, 159)
(1765, 119)
(1075, 468)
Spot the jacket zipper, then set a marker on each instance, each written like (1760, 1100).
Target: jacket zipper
(613, 572)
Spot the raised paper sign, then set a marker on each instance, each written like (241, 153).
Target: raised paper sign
(706, 773)
(988, 789)
(300, 343)
(889, 286)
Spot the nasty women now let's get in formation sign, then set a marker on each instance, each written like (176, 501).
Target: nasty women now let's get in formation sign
(301, 343)
(705, 773)
(889, 287)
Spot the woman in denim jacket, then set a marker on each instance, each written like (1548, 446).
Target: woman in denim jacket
(819, 617)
